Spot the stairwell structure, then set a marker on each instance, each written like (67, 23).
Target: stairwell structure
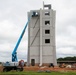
(41, 37)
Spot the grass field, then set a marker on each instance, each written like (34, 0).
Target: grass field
(37, 73)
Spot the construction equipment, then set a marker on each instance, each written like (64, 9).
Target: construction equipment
(8, 66)
(15, 65)
(14, 53)
(63, 65)
(51, 65)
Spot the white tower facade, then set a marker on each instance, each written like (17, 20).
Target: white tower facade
(41, 37)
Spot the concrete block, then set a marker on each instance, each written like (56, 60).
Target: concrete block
(34, 50)
(47, 59)
(47, 50)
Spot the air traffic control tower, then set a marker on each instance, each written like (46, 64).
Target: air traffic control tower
(41, 37)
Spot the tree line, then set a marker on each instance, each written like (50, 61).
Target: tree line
(67, 59)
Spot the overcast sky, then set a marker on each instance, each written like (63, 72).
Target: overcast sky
(13, 17)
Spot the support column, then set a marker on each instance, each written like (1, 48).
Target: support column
(40, 37)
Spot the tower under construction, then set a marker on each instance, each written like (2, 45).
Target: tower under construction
(41, 36)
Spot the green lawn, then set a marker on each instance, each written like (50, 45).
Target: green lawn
(37, 73)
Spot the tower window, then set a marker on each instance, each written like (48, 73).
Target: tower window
(47, 22)
(47, 13)
(47, 40)
(47, 31)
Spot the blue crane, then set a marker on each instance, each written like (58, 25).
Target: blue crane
(15, 65)
(14, 53)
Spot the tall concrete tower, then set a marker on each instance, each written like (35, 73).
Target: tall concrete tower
(41, 37)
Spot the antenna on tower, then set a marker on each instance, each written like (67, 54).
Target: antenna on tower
(46, 5)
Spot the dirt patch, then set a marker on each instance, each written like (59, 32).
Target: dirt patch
(1, 68)
(36, 68)
(48, 68)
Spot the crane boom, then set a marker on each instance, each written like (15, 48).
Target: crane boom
(14, 53)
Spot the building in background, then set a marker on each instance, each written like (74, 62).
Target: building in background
(41, 37)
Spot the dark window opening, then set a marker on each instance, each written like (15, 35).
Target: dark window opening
(47, 13)
(47, 22)
(33, 62)
(47, 40)
(47, 31)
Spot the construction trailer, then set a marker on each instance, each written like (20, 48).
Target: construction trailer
(41, 37)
